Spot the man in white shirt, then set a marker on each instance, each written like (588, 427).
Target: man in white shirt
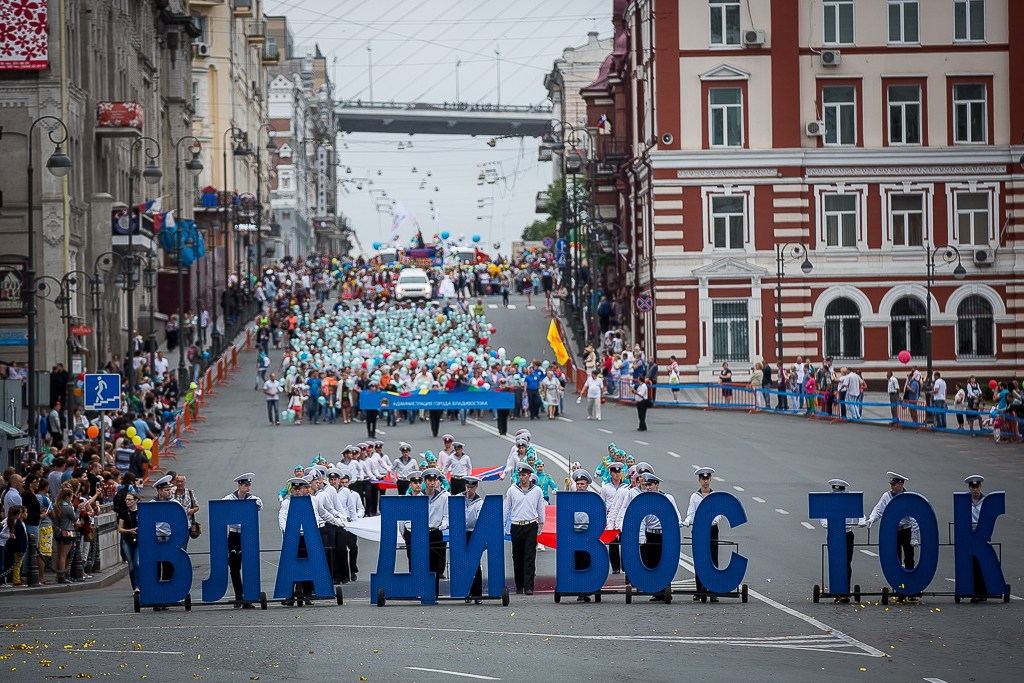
(437, 518)
(893, 389)
(909, 534)
(939, 400)
(593, 387)
(160, 364)
(853, 394)
(459, 467)
(525, 513)
(271, 389)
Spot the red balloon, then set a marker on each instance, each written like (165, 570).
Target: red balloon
(480, 382)
(493, 329)
(364, 365)
(483, 341)
(412, 363)
(81, 377)
(469, 358)
(387, 353)
(904, 357)
(993, 385)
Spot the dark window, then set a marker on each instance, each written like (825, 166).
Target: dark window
(729, 331)
(909, 319)
(842, 329)
(975, 333)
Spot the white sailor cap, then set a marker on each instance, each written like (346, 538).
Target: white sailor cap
(582, 474)
(525, 433)
(378, 443)
(403, 446)
(298, 481)
(348, 449)
(317, 474)
(838, 483)
(704, 470)
(522, 442)
(361, 444)
(974, 479)
(894, 477)
(306, 471)
(333, 472)
(575, 465)
(320, 468)
(308, 479)
(458, 444)
(631, 471)
(615, 466)
(163, 482)
(644, 466)
(416, 476)
(650, 477)
(245, 478)
(447, 437)
(470, 480)
(534, 479)
(431, 472)
(523, 467)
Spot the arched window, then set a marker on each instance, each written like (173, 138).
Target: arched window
(975, 333)
(842, 329)
(909, 318)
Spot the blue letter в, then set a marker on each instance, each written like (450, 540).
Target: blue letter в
(573, 505)
(167, 520)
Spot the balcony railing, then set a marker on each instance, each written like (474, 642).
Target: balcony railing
(243, 8)
(119, 119)
(256, 31)
(613, 150)
(271, 57)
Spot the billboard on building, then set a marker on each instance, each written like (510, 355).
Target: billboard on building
(23, 35)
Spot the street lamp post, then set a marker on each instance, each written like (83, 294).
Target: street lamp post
(106, 259)
(237, 136)
(194, 167)
(60, 294)
(790, 251)
(59, 165)
(152, 175)
(149, 282)
(948, 253)
(271, 148)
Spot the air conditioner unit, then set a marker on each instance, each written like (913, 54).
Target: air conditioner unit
(815, 129)
(202, 49)
(831, 58)
(753, 38)
(984, 257)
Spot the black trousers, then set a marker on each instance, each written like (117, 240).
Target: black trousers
(407, 535)
(435, 422)
(615, 553)
(339, 568)
(502, 421)
(403, 486)
(458, 485)
(352, 543)
(371, 423)
(477, 589)
(303, 588)
(438, 557)
(905, 551)
(372, 498)
(650, 552)
(714, 555)
(979, 580)
(524, 554)
(533, 399)
(849, 556)
(328, 535)
(359, 487)
(235, 562)
(641, 415)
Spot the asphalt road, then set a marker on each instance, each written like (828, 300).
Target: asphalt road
(769, 462)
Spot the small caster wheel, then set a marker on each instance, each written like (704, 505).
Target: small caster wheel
(885, 595)
(136, 604)
(629, 595)
(1006, 595)
(743, 593)
(597, 596)
(338, 594)
(380, 597)
(504, 597)
(703, 598)
(956, 599)
(558, 597)
(263, 600)
(188, 602)
(668, 596)
(816, 594)
(856, 592)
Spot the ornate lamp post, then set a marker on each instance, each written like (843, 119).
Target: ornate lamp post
(790, 251)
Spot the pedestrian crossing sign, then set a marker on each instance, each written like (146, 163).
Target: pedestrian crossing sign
(102, 392)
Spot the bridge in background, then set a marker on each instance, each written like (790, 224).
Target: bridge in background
(450, 118)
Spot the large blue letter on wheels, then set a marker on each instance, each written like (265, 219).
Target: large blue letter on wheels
(152, 591)
(465, 556)
(977, 543)
(650, 579)
(419, 582)
(570, 540)
(714, 579)
(245, 514)
(912, 581)
(313, 567)
(836, 508)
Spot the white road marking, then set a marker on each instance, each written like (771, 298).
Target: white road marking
(126, 652)
(674, 454)
(696, 467)
(642, 443)
(492, 306)
(512, 307)
(869, 553)
(781, 511)
(718, 479)
(453, 673)
(531, 308)
(759, 500)
(563, 419)
(935, 680)
(606, 431)
(739, 488)
(807, 525)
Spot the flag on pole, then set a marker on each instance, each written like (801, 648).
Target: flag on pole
(604, 127)
(397, 218)
(557, 345)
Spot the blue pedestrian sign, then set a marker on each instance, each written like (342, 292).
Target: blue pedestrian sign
(561, 245)
(644, 303)
(547, 242)
(560, 259)
(102, 392)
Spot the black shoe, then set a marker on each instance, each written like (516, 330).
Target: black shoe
(237, 605)
(696, 598)
(309, 602)
(528, 592)
(467, 601)
(582, 598)
(355, 577)
(289, 602)
(975, 601)
(477, 602)
(248, 605)
(656, 598)
(714, 599)
(616, 571)
(344, 581)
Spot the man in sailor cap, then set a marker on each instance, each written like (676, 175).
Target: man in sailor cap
(243, 482)
(840, 486)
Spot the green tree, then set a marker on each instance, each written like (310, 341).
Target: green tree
(538, 230)
(576, 188)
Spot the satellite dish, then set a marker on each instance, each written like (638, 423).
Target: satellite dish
(496, 245)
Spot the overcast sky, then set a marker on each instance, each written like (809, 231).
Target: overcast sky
(415, 45)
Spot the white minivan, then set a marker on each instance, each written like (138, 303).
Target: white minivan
(413, 283)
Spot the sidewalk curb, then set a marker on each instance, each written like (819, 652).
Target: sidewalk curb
(103, 580)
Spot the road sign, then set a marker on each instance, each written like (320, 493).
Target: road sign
(560, 259)
(561, 245)
(547, 242)
(623, 248)
(644, 303)
(102, 392)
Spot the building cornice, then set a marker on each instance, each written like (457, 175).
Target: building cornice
(925, 157)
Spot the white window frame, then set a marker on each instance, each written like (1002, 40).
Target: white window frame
(835, 6)
(838, 107)
(285, 179)
(966, 4)
(968, 103)
(724, 108)
(952, 189)
(903, 6)
(722, 7)
(750, 331)
(902, 106)
(747, 192)
(861, 190)
(928, 216)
